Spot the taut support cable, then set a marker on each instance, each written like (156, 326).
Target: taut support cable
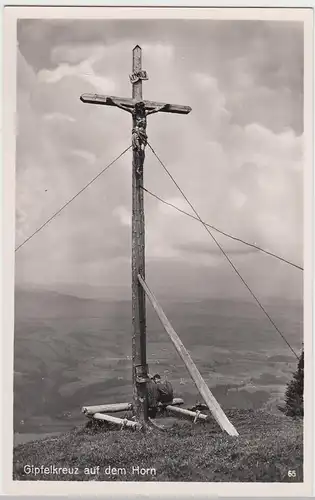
(223, 232)
(71, 199)
(224, 253)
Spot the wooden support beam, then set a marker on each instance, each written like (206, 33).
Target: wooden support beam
(123, 422)
(110, 408)
(107, 100)
(117, 407)
(186, 413)
(175, 402)
(202, 387)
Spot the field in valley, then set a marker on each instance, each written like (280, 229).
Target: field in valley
(71, 352)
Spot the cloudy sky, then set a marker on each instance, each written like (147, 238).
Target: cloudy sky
(237, 155)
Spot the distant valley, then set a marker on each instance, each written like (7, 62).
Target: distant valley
(71, 351)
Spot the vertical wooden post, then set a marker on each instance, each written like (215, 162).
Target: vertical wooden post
(139, 361)
(136, 66)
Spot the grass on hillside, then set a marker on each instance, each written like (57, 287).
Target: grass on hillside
(268, 447)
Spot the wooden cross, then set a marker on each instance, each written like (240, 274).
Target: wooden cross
(139, 110)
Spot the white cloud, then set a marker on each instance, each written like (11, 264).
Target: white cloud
(238, 198)
(86, 155)
(162, 52)
(83, 70)
(123, 215)
(77, 53)
(58, 116)
(205, 81)
(243, 178)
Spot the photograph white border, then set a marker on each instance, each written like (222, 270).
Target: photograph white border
(124, 489)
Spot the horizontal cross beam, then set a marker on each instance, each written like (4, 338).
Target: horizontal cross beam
(149, 105)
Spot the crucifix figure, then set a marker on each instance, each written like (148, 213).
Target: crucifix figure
(139, 131)
(139, 110)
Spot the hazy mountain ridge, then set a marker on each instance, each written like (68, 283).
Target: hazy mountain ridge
(71, 351)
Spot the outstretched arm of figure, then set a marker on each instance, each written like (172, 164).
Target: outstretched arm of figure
(121, 106)
(157, 109)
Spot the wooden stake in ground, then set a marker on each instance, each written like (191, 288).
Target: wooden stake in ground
(139, 110)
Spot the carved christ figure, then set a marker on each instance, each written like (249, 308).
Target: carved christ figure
(139, 130)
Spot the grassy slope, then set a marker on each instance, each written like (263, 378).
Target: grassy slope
(267, 448)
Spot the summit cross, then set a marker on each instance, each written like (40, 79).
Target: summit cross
(139, 110)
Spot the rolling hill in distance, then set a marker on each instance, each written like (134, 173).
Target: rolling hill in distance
(71, 351)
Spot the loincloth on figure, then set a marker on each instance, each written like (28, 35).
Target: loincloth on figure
(139, 138)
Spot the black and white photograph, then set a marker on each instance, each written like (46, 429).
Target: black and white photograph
(159, 321)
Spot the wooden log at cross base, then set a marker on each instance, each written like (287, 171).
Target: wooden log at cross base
(123, 422)
(186, 413)
(202, 387)
(117, 407)
(175, 402)
(110, 408)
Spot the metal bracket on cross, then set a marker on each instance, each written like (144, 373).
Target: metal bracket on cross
(197, 416)
(142, 374)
